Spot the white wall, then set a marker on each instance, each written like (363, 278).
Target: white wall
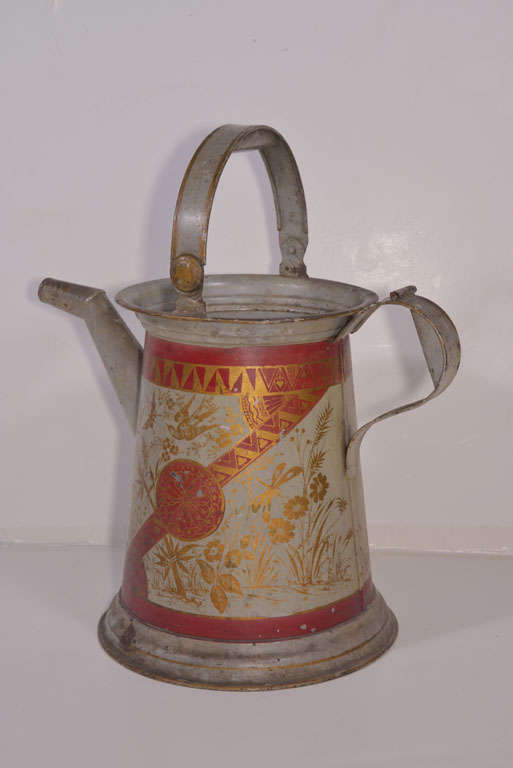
(400, 116)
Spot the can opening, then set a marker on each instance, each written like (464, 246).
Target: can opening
(252, 298)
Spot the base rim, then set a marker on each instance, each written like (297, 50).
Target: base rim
(228, 666)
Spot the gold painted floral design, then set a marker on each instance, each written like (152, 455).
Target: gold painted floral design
(286, 538)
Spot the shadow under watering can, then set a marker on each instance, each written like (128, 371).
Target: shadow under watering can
(247, 565)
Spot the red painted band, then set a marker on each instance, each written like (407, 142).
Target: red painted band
(288, 354)
(250, 630)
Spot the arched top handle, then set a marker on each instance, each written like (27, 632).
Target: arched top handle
(196, 196)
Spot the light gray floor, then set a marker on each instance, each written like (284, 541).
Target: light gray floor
(442, 696)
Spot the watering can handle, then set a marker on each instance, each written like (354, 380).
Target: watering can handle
(196, 195)
(441, 346)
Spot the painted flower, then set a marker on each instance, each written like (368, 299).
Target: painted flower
(244, 541)
(280, 530)
(233, 558)
(214, 550)
(318, 487)
(169, 449)
(295, 507)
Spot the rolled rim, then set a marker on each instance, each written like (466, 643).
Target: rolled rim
(252, 299)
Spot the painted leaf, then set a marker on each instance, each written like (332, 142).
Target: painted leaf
(322, 426)
(150, 421)
(230, 583)
(289, 474)
(178, 581)
(219, 598)
(183, 550)
(341, 504)
(207, 571)
(316, 460)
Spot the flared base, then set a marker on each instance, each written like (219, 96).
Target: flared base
(233, 666)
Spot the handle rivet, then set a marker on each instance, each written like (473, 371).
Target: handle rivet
(187, 273)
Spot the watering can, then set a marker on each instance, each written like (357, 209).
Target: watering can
(247, 564)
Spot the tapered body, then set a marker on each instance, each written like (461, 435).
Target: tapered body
(243, 525)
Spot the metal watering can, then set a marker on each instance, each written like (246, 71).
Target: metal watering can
(247, 565)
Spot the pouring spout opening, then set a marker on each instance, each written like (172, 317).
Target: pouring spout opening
(69, 297)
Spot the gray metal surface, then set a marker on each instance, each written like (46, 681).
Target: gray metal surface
(247, 666)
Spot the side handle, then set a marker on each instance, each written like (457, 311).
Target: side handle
(441, 346)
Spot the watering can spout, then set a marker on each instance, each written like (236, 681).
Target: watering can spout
(119, 350)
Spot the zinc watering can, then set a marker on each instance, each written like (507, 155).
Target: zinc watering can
(247, 564)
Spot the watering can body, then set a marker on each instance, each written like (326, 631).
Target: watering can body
(247, 563)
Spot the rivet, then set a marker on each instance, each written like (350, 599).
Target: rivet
(187, 273)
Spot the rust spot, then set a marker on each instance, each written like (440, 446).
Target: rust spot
(128, 636)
